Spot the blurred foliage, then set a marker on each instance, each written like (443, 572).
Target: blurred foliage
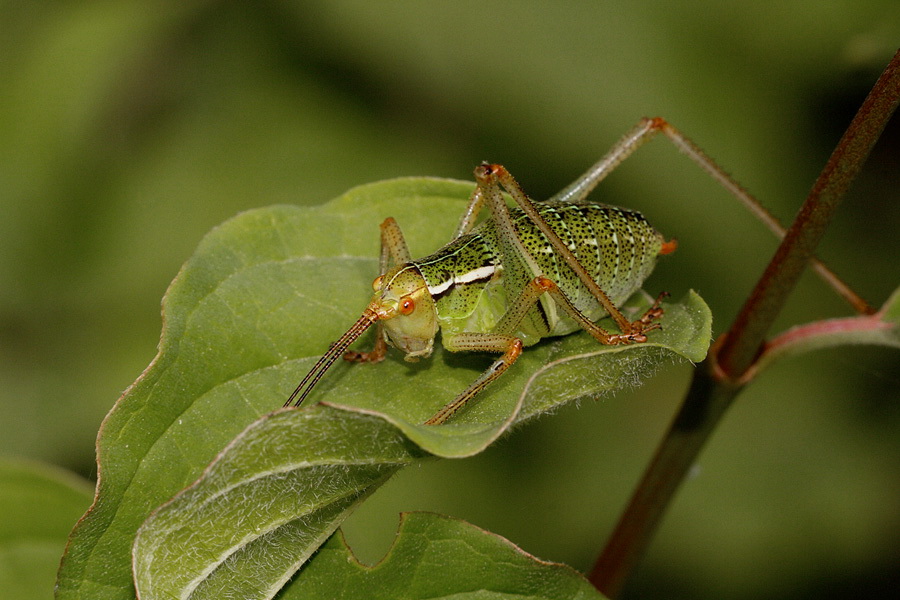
(129, 128)
(38, 504)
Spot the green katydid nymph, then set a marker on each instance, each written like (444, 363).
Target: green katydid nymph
(535, 270)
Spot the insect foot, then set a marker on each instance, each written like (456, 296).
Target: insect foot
(655, 312)
(647, 322)
(375, 355)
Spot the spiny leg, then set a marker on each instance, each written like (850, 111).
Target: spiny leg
(474, 206)
(500, 340)
(394, 251)
(643, 132)
(503, 340)
(490, 178)
(510, 346)
(488, 191)
(544, 285)
(639, 328)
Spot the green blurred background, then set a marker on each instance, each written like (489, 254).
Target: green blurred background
(130, 128)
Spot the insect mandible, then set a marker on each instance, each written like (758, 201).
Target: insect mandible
(538, 269)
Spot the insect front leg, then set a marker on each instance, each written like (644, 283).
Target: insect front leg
(394, 251)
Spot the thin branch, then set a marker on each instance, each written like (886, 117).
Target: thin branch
(713, 390)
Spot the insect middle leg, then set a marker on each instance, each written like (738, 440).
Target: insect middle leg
(503, 340)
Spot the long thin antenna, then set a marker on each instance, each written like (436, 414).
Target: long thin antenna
(334, 351)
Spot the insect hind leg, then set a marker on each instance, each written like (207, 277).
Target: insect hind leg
(635, 332)
(490, 178)
(647, 129)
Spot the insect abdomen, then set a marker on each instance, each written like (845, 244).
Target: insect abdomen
(616, 246)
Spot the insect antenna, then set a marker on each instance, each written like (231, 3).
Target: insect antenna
(334, 351)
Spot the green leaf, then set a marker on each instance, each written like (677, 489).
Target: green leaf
(39, 505)
(247, 316)
(438, 557)
(263, 288)
(297, 474)
(290, 478)
(553, 373)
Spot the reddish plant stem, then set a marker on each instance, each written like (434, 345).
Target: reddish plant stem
(829, 327)
(746, 335)
(718, 380)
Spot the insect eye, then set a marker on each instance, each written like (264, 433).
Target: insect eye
(376, 285)
(407, 305)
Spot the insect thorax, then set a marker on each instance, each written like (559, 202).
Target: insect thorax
(472, 282)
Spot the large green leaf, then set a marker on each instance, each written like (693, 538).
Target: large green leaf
(298, 474)
(251, 311)
(38, 506)
(434, 557)
(261, 289)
